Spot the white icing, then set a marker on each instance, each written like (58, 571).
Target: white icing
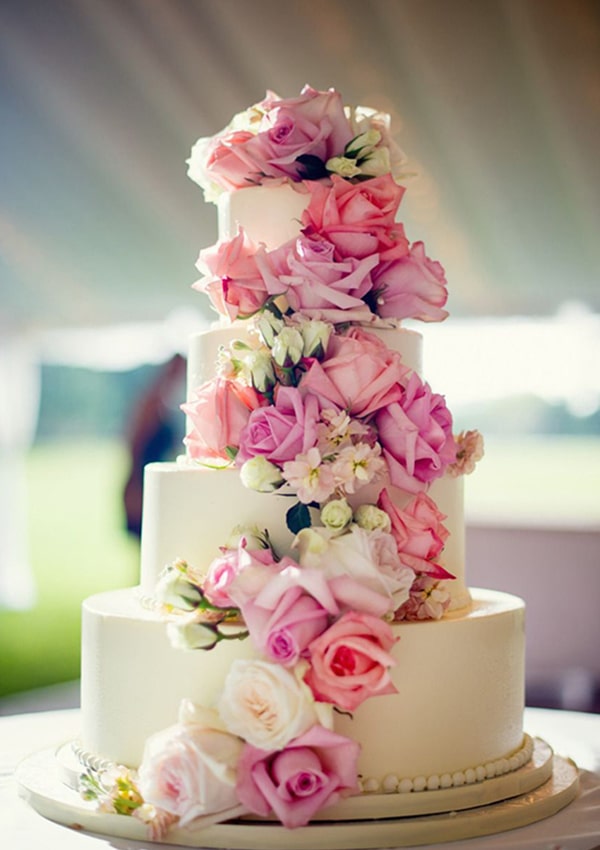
(460, 683)
(267, 214)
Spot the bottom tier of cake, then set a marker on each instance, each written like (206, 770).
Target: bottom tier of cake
(457, 716)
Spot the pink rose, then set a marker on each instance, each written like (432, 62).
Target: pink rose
(223, 570)
(231, 278)
(317, 285)
(218, 411)
(313, 124)
(359, 375)
(411, 287)
(312, 772)
(415, 432)
(350, 662)
(232, 163)
(419, 533)
(359, 219)
(280, 431)
(189, 771)
(286, 613)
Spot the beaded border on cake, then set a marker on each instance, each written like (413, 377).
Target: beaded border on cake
(390, 784)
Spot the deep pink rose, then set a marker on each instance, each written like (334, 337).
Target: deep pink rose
(359, 219)
(415, 433)
(232, 279)
(280, 431)
(226, 567)
(286, 613)
(315, 283)
(419, 533)
(312, 772)
(359, 375)
(350, 662)
(218, 411)
(411, 287)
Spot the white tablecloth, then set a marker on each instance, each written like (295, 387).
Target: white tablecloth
(571, 734)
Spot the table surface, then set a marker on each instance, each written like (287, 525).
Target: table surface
(571, 734)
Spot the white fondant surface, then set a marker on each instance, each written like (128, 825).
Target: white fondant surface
(190, 511)
(460, 686)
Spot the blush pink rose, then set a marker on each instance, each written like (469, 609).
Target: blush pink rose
(359, 375)
(315, 283)
(351, 661)
(224, 569)
(218, 411)
(280, 431)
(312, 772)
(189, 771)
(232, 279)
(359, 219)
(419, 532)
(415, 432)
(232, 162)
(411, 287)
(287, 613)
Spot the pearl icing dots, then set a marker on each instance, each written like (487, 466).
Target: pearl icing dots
(392, 784)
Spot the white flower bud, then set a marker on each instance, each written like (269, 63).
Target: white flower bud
(260, 474)
(288, 347)
(336, 515)
(376, 163)
(174, 589)
(254, 538)
(309, 542)
(363, 144)
(315, 335)
(188, 633)
(269, 326)
(370, 517)
(260, 368)
(342, 165)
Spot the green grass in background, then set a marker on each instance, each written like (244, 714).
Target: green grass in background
(79, 546)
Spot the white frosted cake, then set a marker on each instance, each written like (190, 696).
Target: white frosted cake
(303, 637)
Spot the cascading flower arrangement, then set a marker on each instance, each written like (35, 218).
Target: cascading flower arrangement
(308, 403)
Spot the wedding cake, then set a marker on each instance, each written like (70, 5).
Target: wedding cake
(303, 645)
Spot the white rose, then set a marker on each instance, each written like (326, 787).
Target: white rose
(268, 705)
(190, 771)
(260, 474)
(371, 517)
(336, 515)
(359, 559)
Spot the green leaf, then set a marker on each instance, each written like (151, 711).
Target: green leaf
(231, 452)
(313, 168)
(298, 517)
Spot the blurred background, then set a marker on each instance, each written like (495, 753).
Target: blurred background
(497, 106)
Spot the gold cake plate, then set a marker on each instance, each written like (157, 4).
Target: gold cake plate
(536, 791)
